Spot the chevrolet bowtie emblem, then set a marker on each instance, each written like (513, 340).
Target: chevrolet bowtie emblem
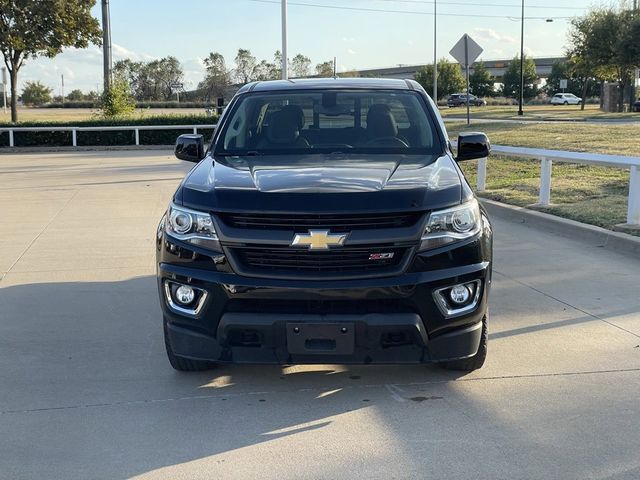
(318, 239)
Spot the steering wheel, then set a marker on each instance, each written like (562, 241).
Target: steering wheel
(387, 142)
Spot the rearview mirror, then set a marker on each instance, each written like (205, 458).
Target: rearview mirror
(472, 145)
(190, 147)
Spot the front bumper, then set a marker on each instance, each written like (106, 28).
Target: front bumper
(392, 319)
(378, 339)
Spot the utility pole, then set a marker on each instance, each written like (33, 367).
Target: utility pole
(106, 44)
(4, 88)
(285, 67)
(62, 88)
(520, 99)
(435, 54)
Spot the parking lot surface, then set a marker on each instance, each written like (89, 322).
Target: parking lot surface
(87, 393)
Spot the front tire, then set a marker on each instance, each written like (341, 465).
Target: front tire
(184, 364)
(475, 362)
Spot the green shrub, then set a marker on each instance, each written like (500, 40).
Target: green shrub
(117, 100)
(107, 137)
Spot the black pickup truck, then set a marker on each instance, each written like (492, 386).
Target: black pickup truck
(326, 222)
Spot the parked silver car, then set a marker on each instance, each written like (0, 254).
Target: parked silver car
(565, 99)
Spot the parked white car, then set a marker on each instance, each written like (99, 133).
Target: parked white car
(565, 99)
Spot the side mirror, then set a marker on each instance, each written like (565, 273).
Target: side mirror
(190, 147)
(472, 145)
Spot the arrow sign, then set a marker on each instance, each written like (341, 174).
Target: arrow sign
(466, 51)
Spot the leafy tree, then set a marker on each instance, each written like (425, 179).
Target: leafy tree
(266, 71)
(92, 96)
(31, 28)
(450, 78)
(277, 65)
(481, 82)
(245, 66)
(217, 77)
(605, 44)
(324, 69)
(150, 80)
(163, 73)
(300, 66)
(578, 83)
(559, 71)
(75, 95)
(35, 93)
(511, 79)
(117, 101)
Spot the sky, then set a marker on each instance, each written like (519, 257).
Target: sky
(360, 33)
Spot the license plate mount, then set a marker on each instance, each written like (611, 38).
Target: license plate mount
(320, 338)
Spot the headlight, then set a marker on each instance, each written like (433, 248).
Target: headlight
(189, 225)
(451, 225)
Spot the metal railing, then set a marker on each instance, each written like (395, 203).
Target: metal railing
(547, 157)
(74, 130)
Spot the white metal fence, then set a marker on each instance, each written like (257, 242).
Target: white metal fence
(547, 157)
(74, 130)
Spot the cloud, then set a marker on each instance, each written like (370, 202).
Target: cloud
(491, 34)
(119, 52)
(351, 51)
(348, 39)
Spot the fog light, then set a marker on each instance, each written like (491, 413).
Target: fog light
(460, 294)
(185, 294)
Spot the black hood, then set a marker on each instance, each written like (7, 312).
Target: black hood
(322, 183)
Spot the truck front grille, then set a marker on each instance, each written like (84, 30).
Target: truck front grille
(301, 262)
(335, 223)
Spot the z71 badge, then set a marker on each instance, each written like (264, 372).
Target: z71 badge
(381, 256)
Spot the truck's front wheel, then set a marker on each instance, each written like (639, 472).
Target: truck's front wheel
(475, 362)
(184, 364)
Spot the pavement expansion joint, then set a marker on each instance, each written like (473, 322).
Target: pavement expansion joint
(395, 387)
(39, 234)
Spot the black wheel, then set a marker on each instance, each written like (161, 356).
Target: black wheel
(566, 103)
(184, 364)
(475, 362)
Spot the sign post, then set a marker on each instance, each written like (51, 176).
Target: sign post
(177, 87)
(466, 51)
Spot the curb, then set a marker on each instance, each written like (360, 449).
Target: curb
(600, 237)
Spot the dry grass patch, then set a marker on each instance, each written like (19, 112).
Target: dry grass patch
(589, 194)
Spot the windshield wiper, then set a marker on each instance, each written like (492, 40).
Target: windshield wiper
(250, 153)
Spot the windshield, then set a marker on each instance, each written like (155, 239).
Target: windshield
(327, 122)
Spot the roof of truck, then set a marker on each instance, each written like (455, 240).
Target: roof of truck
(331, 83)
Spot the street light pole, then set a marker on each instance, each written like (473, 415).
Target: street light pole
(106, 44)
(285, 74)
(435, 54)
(520, 99)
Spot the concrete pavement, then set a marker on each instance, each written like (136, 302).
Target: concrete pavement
(87, 392)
